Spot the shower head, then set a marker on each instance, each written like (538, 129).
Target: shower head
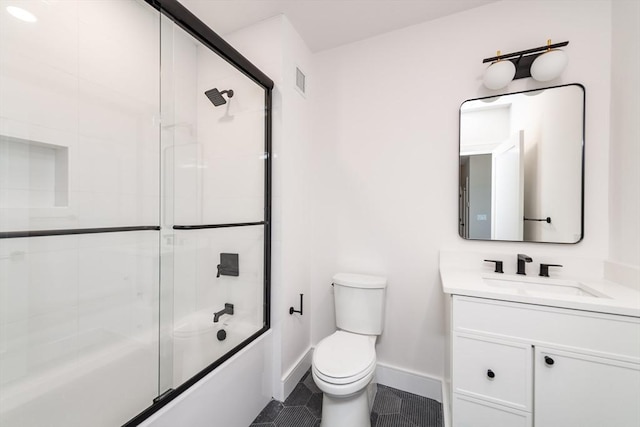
(215, 96)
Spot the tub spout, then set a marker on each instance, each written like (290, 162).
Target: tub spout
(228, 309)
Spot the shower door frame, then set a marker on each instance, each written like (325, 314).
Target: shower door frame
(182, 17)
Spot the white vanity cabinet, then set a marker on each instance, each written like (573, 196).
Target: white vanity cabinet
(574, 389)
(525, 365)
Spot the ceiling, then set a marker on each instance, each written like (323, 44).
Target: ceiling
(325, 24)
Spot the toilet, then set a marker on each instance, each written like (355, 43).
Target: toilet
(344, 363)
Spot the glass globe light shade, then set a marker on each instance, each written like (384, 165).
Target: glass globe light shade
(549, 65)
(499, 74)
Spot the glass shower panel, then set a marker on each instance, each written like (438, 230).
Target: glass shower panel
(213, 139)
(79, 162)
(198, 341)
(218, 150)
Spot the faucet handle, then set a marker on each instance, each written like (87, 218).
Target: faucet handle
(544, 269)
(498, 265)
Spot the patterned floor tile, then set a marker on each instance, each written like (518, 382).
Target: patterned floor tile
(421, 411)
(386, 401)
(393, 420)
(299, 396)
(392, 408)
(315, 405)
(311, 385)
(297, 416)
(269, 413)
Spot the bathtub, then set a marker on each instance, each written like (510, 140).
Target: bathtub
(103, 379)
(198, 342)
(91, 385)
(230, 396)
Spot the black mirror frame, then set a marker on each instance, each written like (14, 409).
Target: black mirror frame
(583, 163)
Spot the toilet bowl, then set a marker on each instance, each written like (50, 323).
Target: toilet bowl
(343, 368)
(344, 363)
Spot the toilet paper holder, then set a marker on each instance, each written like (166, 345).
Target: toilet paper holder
(292, 310)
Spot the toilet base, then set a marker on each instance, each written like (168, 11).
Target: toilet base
(347, 411)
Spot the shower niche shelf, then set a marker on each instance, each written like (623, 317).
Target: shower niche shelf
(33, 174)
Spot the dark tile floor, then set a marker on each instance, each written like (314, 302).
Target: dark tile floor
(392, 408)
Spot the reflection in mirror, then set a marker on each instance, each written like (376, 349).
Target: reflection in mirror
(522, 166)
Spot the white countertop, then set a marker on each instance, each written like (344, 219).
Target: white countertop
(466, 274)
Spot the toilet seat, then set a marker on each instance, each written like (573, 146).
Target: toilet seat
(344, 358)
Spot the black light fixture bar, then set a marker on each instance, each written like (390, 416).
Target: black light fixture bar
(525, 52)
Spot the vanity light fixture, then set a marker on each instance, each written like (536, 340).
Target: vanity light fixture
(549, 65)
(499, 74)
(542, 63)
(21, 14)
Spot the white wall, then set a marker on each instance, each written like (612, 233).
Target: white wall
(385, 157)
(382, 167)
(624, 184)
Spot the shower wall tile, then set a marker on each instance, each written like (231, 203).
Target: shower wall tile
(117, 60)
(232, 140)
(37, 282)
(35, 93)
(118, 278)
(196, 256)
(183, 67)
(113, 272)
(52, 281)
(185, 267)
(67, 83)
(58, 49)
(186, 187)
(14, 273)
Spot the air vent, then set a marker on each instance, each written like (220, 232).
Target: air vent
(300, 81)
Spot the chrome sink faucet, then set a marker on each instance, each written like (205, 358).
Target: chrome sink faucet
(522, 259)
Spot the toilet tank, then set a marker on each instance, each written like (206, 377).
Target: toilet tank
(359, 302)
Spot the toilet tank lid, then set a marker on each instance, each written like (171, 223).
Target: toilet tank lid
(360, 281)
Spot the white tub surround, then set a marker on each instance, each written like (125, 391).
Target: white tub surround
(468, 274)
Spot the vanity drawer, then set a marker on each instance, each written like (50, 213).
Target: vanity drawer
(493, 370)
(605, 335)
(470, 412)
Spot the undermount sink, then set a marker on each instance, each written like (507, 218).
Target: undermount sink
(542, 286)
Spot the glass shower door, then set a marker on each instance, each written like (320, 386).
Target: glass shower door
(79, 212)
(134, 210)
(214, 219)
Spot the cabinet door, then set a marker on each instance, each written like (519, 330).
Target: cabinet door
(497, 371)
(573, 389)
(470, 412)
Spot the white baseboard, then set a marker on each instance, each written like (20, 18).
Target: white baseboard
(401, 379)
(293, 376)
(412, 382)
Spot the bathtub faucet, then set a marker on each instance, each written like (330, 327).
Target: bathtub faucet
(228, 309)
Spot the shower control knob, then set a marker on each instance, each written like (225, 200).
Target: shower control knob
(222, 334)
(491, 374)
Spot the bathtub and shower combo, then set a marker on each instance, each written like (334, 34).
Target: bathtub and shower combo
(134, 208)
